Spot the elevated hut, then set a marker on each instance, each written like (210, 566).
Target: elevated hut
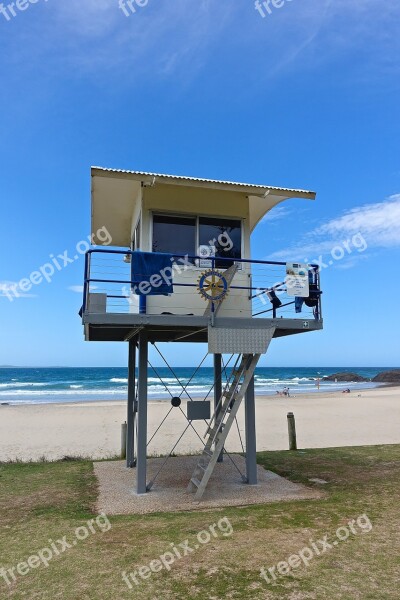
(179, 269)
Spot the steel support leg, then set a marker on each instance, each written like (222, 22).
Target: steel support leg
(251, 446)
(218, 387)
(142, 416)
(131, 415)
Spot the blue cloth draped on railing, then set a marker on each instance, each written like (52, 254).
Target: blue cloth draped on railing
(151, 273)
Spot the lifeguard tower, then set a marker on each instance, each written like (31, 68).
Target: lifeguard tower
(180, 270)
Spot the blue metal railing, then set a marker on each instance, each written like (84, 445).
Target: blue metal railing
(106, 273)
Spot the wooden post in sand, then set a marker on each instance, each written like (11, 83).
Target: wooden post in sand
(123, 440)
(292, 431)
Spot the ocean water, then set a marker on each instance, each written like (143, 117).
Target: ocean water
(55, 385)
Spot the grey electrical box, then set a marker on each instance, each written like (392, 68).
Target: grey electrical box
(97, 303)
(198, 410)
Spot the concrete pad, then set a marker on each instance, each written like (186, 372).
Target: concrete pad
(117, 486)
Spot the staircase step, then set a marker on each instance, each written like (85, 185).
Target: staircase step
(221, 423)
(195, 482)
(215, 429)
(227, 401)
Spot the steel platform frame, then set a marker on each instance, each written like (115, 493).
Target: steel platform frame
(140, 330)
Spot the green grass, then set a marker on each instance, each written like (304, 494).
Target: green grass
(42, 501)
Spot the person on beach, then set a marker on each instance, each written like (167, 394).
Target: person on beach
(284, 392)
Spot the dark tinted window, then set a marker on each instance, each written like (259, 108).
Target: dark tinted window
(225, 235)
(174, 235)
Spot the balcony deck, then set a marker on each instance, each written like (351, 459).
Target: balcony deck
(112, 327)
(109, 277)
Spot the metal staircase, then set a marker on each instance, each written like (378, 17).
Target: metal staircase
(221, 423)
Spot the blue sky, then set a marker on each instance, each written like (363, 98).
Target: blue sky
(307, 96)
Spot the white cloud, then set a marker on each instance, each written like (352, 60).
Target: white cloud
(76, 288)
(92, 19)
(10, 289)
(320, 32)
(158, 39)
(351, 261)
(277, 213)
(378, 224)
(165, 37)
(79, 288)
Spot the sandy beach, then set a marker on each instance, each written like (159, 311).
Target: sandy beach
(370, 417)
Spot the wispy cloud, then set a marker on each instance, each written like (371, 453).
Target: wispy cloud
(158, 39)
(351, 261)
(378, 223)
(165, 38)
(79, 288)
(277, 213)
(326, 32)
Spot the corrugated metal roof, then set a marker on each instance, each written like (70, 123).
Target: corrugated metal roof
(210, 181)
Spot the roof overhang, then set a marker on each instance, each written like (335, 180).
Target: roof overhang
(115, 192)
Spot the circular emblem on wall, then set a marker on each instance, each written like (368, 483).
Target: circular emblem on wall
(212, 285)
